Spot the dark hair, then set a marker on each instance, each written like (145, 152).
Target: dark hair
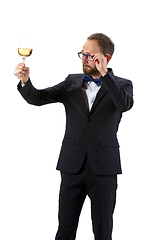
(106, 44)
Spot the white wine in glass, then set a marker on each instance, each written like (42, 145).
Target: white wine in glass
(25, 48)
(25, 52)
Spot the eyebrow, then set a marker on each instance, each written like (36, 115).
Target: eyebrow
(87, 52)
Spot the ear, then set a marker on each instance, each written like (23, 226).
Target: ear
(108, 58)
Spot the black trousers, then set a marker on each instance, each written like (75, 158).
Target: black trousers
(73, 191)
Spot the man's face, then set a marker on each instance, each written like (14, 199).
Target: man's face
(91, 47)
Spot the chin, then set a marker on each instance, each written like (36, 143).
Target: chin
(86, 71)
(90, 71)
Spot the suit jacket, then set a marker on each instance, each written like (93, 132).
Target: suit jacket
(92, 133)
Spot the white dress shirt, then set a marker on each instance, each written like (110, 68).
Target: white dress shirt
(91, 92)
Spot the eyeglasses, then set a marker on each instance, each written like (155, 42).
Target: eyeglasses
(88, 56)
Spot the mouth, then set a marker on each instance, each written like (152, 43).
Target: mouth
(86, 66)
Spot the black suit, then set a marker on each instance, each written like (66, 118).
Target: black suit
(91, 134)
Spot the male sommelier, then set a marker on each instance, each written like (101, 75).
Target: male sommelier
(89, 160)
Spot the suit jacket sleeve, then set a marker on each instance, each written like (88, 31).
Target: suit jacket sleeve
(41, 97)
(120, 90)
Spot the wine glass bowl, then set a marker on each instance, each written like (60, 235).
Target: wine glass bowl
(25, 52)
(25, 49)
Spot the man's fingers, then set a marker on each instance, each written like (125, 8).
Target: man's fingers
(21, 69)
(22, 72)
(99, 57)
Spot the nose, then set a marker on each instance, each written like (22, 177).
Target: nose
(84, 60)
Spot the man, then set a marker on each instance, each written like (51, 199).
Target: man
(89, 160)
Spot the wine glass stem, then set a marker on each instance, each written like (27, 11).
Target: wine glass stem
(23, 60)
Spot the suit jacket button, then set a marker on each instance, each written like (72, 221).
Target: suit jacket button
(85, 139)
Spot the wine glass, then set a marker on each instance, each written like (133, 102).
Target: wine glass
(25, 48)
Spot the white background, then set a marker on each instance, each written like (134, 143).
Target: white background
(30, 137)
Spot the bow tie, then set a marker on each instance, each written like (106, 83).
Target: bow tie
(88, 78)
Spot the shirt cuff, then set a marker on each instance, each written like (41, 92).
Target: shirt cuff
(23, 84)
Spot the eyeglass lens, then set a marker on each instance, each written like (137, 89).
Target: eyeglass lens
(88, 57)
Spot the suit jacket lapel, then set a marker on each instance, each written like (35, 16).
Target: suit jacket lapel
(99, 96)
(78, 84)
